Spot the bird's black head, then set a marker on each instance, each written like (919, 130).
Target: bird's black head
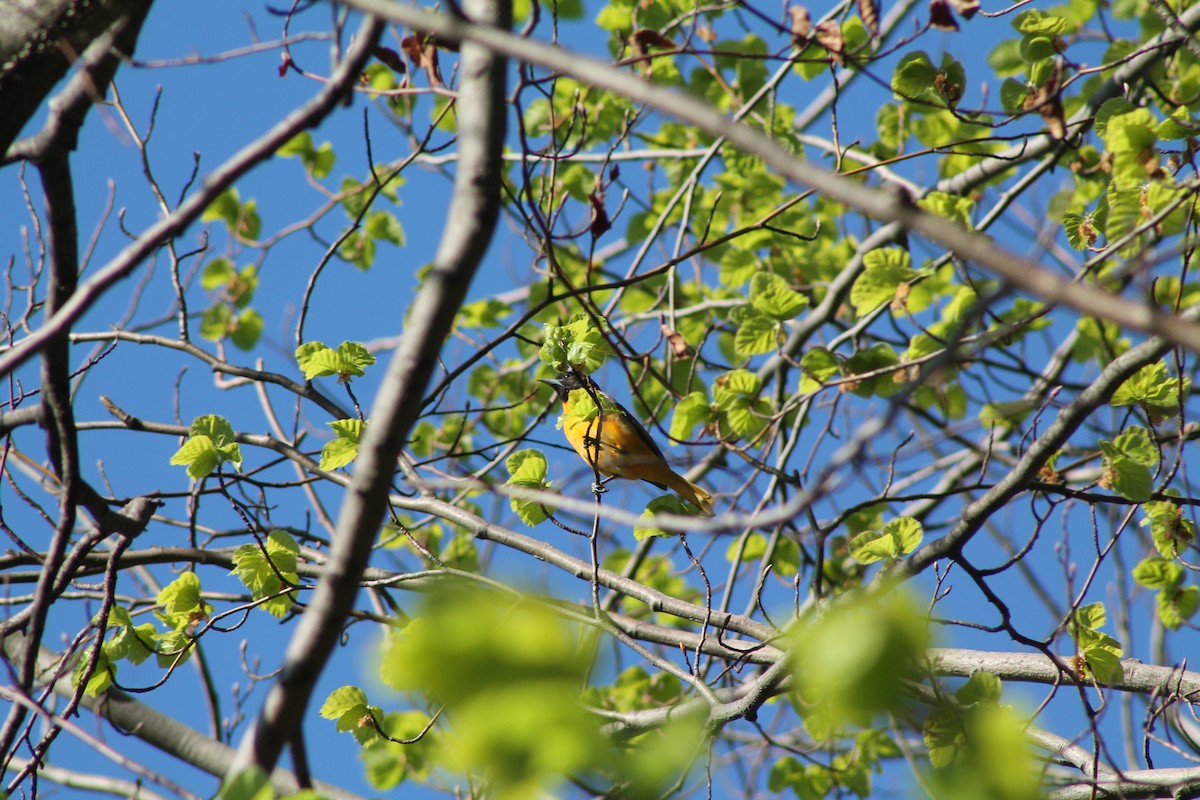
(567, 383)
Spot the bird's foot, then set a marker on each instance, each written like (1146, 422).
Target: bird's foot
(598, 487)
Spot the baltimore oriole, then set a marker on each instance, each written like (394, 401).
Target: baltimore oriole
(612, 441)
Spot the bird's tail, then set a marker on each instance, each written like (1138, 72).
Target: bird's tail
(692, 493)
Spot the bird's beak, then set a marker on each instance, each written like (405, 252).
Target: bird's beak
(551, 382)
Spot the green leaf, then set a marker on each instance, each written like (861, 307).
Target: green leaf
(298, 145)
(1005, 58)
(343, 449)
(1081, 230)
(339, 701)
(981, 752)
(1092, 616)
(1104, 665)
(216, 322)
(527, 469)
(240, 290)
(217, 273)
(1034, 21)
(943, 737)
(318, 161)
(771, 295)
(200, 456)
(913, 76)
(885, 269)
(249, 784)
(949, 206)
(1038, 48)
(483, 314)
(317, 360)
(354, 358)
(226, 207)
(1172, 532)
(1101, 341)
(1152, 388)
(982, 687)
(1131, 132)
(738, 398)
(1176, 607)
(871, 546)
(756, 334)
(579, 345)
(1179, 125)
(863, 673)
(247, 329)
(876, 358)
(384, 225)
(667, 504)
(818, 364)
(358, 249)
(508, 673)
(754, 548)
(134, 643)
(1135, 444)
(215, 427)
(261, 572)
(692, 411)
(737, 266)
(1128, 460)
(349, 708)
(1154, 572)
(1013, 94)
(211, 442)
(182, 606)
(899, 537)
(102, 676)
(1004, 413)
(892, 127)
(950, 80)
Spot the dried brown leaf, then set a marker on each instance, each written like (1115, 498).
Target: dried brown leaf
(868, 10)
(829, 35)
(941, 17)
(801, 21)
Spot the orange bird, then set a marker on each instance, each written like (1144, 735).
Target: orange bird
(614, 443)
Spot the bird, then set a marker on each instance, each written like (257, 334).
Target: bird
(616, 445)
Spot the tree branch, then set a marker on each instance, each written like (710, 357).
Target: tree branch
(474, 209)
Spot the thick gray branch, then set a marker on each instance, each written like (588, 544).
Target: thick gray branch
(471, 220)
(41, 39)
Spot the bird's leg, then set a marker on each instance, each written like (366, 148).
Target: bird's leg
(600, 486)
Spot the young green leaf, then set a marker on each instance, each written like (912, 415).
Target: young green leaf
(577, 345)
(667, 504)
(343, 449)
(527, 469)
(691, 412)
(217, 273)
(756, 334)
(885, 270)
(771, 295)
(899, 537)
(743, 410)
(317, 360)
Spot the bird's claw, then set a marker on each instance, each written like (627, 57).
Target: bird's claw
(598, 487)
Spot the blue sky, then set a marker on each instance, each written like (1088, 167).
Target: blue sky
(214, 109)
